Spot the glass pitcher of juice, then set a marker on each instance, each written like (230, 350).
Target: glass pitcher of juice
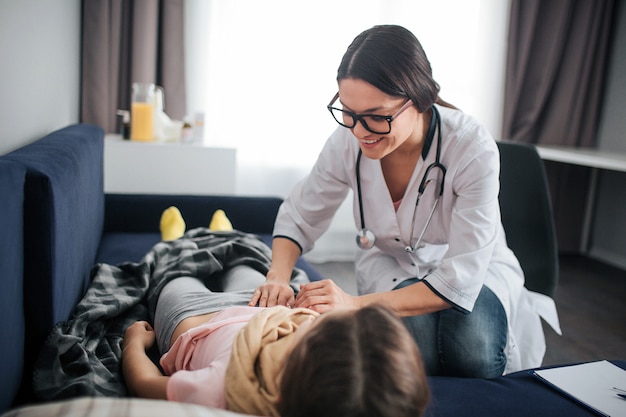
(142, 112)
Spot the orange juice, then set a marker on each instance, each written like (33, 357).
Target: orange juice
(141, 120)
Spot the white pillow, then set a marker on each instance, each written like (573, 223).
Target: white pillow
(117, 407)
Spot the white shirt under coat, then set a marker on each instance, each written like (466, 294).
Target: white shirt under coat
(464, 246)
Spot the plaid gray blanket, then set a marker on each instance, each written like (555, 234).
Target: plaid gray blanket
(82, 356)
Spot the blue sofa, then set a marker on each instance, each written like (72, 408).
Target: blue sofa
(12, 330)
(57, 222)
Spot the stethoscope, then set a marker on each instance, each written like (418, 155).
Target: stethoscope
(365, 238)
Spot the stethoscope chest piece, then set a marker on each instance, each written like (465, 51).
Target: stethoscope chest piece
(365, 239)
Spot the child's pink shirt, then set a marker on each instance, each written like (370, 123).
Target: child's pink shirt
(197, 361)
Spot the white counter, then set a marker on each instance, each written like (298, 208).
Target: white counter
(167, 168)
(594, 159)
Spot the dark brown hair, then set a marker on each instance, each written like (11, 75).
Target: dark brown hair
(390, 58)
(359, 363)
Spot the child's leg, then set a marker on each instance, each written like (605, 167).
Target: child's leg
(237, 278)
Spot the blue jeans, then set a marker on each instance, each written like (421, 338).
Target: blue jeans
(453, 343)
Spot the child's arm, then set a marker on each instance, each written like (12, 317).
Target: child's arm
(143, 378)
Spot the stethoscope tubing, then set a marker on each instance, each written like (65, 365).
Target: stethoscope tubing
(365, 238)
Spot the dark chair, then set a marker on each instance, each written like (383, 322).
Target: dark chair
(527, 215)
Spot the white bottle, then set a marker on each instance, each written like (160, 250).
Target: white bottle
(198, 128)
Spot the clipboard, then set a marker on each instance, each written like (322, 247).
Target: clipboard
(591, 384)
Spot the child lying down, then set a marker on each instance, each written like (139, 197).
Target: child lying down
(220, 352)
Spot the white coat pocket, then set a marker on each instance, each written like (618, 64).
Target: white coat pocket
(428, 256)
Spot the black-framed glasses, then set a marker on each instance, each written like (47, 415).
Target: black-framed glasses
(375, 123)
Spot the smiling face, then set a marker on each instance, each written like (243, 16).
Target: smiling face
(407, 129)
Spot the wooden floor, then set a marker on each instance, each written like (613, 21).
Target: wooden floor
(590, 299)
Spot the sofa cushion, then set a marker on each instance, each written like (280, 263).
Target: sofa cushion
(117, 248)
(63, 220)
(519, 394)
(12, 178)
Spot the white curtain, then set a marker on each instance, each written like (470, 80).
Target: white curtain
(262, 72)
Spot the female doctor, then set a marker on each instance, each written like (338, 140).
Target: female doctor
(425, 180)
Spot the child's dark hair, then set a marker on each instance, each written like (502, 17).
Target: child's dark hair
(359, 363)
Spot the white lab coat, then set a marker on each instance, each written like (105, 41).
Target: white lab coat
(463, 247)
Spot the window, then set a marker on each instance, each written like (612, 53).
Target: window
(263, 72)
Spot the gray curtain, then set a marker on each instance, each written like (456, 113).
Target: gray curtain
(126, 41)
(556, 64)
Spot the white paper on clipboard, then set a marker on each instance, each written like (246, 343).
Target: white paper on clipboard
(591, 384)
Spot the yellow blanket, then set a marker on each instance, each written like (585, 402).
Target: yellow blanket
(256, 364)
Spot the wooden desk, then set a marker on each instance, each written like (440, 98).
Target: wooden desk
(167, 168)
(594, 159)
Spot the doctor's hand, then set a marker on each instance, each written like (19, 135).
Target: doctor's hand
(323, 296)
(271, 293)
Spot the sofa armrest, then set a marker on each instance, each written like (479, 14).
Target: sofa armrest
(141, 213)
(12, 329)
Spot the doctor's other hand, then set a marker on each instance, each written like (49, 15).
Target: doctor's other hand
(273, 293)
(323, 296)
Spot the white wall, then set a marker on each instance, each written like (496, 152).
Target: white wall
(612, 130)
(609, 228)
(39, 68)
